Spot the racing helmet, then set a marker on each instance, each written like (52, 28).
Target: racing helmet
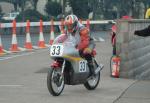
(71, 23)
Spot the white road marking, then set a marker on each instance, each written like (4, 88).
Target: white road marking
(47, 45)
(6, 51)
(11, 85)
(101, 39)
(22, 49)
(94, 39)
(13, 56)
(35, 47)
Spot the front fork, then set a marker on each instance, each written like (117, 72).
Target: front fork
(63, 67)
(57, 65)
(59, 75)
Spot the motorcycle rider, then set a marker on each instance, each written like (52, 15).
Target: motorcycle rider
(81, 38)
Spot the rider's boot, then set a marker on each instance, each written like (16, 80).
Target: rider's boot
(91, 67)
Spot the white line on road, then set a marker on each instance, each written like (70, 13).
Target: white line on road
(5, 58)
(101, 39)
(11, 85)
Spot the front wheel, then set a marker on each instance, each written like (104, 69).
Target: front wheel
(55, 81)
(93, 82)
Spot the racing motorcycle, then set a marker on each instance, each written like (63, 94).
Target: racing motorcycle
(68, 67)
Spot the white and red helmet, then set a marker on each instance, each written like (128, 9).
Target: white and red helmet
(71, 23)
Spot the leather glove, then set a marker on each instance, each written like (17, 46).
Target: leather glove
(87, 51)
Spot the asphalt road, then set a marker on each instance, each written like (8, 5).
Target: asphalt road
(23, 80)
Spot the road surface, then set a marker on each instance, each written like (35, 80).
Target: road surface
(23, 80)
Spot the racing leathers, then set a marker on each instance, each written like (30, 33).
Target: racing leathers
(83, 42)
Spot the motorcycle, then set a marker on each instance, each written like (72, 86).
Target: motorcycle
(68, 67)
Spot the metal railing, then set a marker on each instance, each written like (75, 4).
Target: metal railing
(48, 23)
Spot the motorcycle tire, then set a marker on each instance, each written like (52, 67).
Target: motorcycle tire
(88, 85)
(50, 84)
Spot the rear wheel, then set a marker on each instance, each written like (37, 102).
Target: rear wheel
(55, 81)
(93, 82)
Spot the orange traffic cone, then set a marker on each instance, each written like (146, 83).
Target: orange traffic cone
(115, 66)
(52, 33)
(62, 26)
(41, 43)
(14, 45)
(28, 44)
(1, 47)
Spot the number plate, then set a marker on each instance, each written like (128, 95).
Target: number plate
(56, 50)
(82, 66)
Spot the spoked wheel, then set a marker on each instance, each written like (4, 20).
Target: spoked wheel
(55, 81)
(93, 82)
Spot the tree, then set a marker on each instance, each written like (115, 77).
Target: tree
(122, 7)
(63, 6)
(35, 4)
(80, 8)
(18, 3)
(98, 9)
(109, 9)
(53, 8)
(0, 9)
(31, 15)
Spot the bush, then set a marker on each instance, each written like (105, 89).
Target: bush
(53, 8)
(80, 8)
(31, 15)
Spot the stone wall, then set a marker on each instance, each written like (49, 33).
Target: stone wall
(133, 50)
